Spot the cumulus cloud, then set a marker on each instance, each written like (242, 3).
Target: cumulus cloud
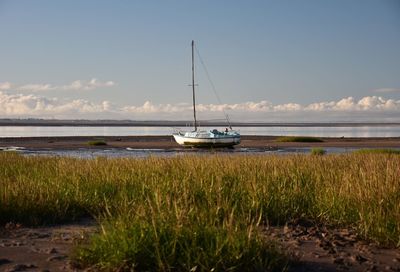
(149, 107)
(5, 86)
(22, 105)
(368, 103)
(36, 87)
(12, 105)
(77, 85)
(88, 85)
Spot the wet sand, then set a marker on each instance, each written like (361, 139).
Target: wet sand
(46, 248)
(317, 247)
(312, 247)
(167, 142)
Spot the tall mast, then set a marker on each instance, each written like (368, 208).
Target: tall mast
(194, 98)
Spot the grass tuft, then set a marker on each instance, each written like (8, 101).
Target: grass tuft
(97, 142)
(158, 245)
(299, 139)
(318, 151)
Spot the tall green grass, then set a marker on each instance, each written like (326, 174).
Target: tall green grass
(201, 212)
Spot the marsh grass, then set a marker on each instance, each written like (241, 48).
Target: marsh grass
(377, 151)
(201, 211)
(299, 139)
(148, 244)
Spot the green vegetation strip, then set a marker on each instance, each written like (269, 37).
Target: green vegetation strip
(299, 139)
(378, 151)
(200, 212)
(97, 142)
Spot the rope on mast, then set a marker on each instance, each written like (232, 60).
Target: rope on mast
(193, 85)
(213, 86)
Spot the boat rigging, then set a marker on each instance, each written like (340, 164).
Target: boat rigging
(202, 138)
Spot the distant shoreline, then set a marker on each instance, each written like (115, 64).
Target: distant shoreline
(161, 123)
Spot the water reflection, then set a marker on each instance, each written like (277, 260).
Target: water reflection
(144, 153)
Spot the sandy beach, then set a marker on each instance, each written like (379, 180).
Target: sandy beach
(167, 142)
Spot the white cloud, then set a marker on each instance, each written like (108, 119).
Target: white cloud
(23, 106)
(36, 87)
(149, 108)
(34, 106)
(387, 90)
(321, 106)
(77, 85)
(344, 104)
(4, 86)
(88, 85)
(288, 107)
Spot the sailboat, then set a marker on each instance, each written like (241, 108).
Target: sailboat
(205, 138)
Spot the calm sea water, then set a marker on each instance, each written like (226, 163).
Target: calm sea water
(144, 153)
(362, 131)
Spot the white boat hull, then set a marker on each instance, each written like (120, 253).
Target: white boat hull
(206, 142)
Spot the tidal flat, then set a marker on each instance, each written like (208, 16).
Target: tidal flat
(203, 213)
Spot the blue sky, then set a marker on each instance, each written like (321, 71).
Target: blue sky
(281, 52)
